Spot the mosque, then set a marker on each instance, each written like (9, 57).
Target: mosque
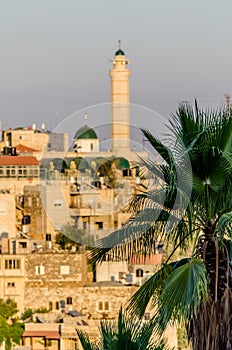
(86, 141)
(83, 185)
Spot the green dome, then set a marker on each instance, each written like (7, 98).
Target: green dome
(119, 52)
(85, 133)
(122, 163)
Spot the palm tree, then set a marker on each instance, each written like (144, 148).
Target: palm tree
(126, 334)
(191, 207)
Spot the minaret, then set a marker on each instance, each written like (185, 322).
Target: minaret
(120, 102)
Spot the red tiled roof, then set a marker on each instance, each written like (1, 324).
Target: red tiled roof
(18, 160)
(46, 334)
(24, 149)
(138, 259)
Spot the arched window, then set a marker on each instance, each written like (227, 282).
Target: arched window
(57, 305)
(139, 273)
(50, 305)
(100, 305)
(103, 306)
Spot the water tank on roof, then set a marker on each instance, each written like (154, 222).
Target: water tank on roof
(6, 150)
(13, 151)
(4, 235)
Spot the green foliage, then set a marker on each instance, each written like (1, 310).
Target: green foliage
(41, 310)
(105, 168)
(27, 314)
(10, 329)
(127, 334)
(71, 236)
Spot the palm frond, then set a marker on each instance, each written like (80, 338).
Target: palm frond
(184, 289)
(86, 343)
(152, 288)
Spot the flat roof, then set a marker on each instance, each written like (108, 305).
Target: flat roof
(45, 334)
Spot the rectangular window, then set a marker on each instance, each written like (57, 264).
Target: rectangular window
(65, 270)
(12, 264)
(99, 225)
(39, 270)
(23, 245)
(48, 237)
(120, 275)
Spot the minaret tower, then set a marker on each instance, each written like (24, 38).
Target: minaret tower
(120, 102)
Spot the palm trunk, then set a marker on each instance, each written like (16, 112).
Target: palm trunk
(211, 329)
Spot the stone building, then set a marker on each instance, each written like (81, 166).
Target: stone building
(36, 276)
(32, 137)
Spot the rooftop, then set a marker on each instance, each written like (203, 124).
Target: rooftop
(18, 160)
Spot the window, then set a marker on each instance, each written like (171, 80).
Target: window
(57, 305)
(12, 264)
(103, 306)
(58, 202)
(39, 270)
(65, 270)
(50, 305)
(91, 146)
(23, 244)
(69, 301)
(29, 201)
(10, 284)
(99, 225)
(48, 237)
(139, 273)
(147, 316)
(84, 225)
(120, 275)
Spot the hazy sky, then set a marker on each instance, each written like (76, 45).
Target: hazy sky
(55, 55)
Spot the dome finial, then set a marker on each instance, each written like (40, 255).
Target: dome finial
(119, 51)
(86, 116)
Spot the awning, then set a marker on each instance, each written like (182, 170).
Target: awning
(44, 334)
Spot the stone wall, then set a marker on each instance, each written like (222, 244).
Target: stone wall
(95, 302)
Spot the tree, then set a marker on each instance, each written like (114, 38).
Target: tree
(126, 334)
(72, 236)
(10, 329)
(190, 207)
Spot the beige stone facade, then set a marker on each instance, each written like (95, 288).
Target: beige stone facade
(36, 279)
(39, 140)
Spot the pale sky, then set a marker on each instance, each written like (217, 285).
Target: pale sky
(55, 55)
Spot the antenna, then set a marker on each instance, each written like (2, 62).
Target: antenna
(227, 96)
